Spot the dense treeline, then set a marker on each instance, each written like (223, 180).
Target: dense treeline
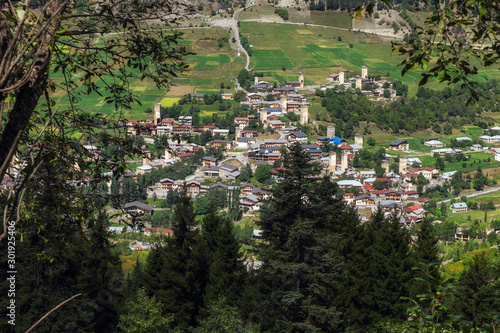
(349, 5)
(427, 110)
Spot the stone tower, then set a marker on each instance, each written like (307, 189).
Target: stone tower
(168, 154)
(358, 82)
(301, 79)
(332, 161)
(330, 131)
(263, 117)
(341, 77)
(283, 99)
(403, 164)
(358, 139)
(157, 115)
(364, 72)
(256, 80)
(304, 114)
(344, 164)
(385, 166)
(237, 133)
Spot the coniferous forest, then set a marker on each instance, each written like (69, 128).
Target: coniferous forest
(317, 268)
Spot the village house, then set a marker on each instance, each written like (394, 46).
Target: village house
(186, 120)
(434, 144)
(363, 200)
(399, 144)
(209, 161)
(241, 122)
(137, 208)
(283, 91)
(409, 195)
(167, 184)
(253, 97)
(223, 144)
(244, 143)
(393, 195)
(249, 134)
(298, 137)
(226, 97)
(274, 142)
(199, 97)
(429, 172)
(249, 201)
(181, 130)
(221, 132)
(461, 235)
(193, 188)
(458, 207)
(159, 231)
(348, 198)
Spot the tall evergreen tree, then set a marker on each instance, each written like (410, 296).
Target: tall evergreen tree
(378, 272)
(426, 255)
(300, 270)
(226, 272)
(477, 294)
(176, 272)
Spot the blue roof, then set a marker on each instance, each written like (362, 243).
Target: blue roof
(335, 140)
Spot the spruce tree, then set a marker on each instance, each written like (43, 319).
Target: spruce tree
(177, 271)
(226, 272)
(300, 269)
(426, 253)
(378, 269)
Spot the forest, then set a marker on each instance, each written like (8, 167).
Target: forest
(317, 268)
(439, 110)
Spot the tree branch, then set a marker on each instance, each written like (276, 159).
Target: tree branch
(48, 313)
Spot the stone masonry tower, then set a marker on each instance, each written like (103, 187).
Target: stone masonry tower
(385, 166)
(157, 115)
(283, 99)
(344, 163)
(330, 131)
(358, 82)
(301, 79)
(358, 139)
(332, 161)
(364, 72)
(341, 77)
(263, 117)
(304, 114)
(403, 164)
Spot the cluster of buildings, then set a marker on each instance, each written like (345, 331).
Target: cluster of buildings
(361, 81)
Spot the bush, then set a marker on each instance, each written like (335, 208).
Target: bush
(283, 13)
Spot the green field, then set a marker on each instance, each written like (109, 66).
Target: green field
(210, 61)
(269, 59)
(332, 18)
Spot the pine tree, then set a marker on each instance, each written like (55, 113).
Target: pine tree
(177, 271)
(476, 295)
(426, 255)
(300, 270)
(378, 273)
(226, 272)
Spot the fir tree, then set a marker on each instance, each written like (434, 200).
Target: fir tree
(300, 270)
(226, 272)
(378, 273)
(426, 255)
(177, 270)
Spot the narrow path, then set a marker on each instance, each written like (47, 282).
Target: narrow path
(234, 26)
(475, 194)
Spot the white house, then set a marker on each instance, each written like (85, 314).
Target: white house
(458, 207)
